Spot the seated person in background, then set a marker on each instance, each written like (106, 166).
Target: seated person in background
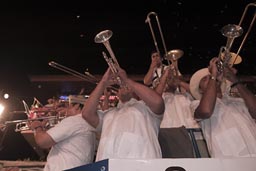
(130, 129)
(228, 123)
(155, 70)
(72, 141)
(173, 136)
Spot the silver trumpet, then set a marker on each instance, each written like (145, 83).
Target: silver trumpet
(23, 125)
(103, 37)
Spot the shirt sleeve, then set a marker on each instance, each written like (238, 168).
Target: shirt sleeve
(66, 128)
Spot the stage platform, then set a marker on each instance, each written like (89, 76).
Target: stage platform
(197, 164)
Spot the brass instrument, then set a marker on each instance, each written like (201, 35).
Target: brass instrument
(103, 37)
(23, 125)
(228, 58)
(232, 31)
(248, 31)
(36, 113)
(172, 55)
(87, 76)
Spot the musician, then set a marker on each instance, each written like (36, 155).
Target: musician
(71, 142)
(228, 123)
(130, 129)
(173, 136)
(155, 70)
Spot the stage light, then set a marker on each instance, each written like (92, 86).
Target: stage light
(6, 96)
(1, 109)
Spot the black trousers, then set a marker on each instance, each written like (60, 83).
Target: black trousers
(175, 143)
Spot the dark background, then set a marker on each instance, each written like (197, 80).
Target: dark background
(33, 33)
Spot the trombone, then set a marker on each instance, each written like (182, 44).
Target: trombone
(248, 31)
(232, 31)
(87, 76)
(172, 55)
(226, 57)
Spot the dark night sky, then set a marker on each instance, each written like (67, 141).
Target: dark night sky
(36, 32)
(33, 33)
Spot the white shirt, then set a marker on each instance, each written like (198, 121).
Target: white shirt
(230, 131)
(129, 131)
(75, 144)
(177, 111)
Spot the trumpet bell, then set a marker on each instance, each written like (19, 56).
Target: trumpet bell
(174, 55)
(235, 59)
(232, 31)
(103, 36)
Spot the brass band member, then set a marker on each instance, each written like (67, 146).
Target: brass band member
(71, 142)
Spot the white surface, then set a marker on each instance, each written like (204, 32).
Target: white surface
(200, 164)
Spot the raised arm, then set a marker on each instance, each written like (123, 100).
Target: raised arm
(148, 95)
(149, 75)
(89, 111)
(209, 93)
(247, 95)
(163, 81)
(155, 62)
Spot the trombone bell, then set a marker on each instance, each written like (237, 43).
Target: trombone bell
(174, 55)
(232, 31)
(234, 59)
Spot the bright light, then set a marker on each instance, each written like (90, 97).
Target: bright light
(1, 109)
(6, 96)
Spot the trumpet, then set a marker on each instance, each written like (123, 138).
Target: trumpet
(172, 55)
(23, 125)
(103, 37)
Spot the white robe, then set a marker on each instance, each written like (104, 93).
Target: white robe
(230, 131)
(177, 111)
(129, 131)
